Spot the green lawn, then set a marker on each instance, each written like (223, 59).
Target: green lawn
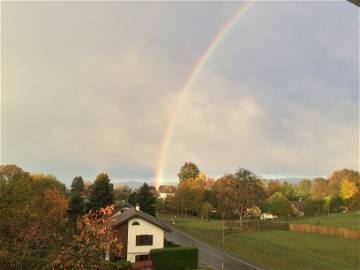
(343, 220)
(279, 249)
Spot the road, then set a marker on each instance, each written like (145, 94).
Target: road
(210, 256)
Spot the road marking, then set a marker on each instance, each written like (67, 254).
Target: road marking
(217, 250)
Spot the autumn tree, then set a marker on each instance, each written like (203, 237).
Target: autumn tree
(288, 190)
(94, 243)
(319, 188)
(279, 205)
(101, 193)
(338, 176)
(304, 189)
(190, 194)
(248, 191)
(272, 187)
(188, 170)
(347, 189)
(32, 219)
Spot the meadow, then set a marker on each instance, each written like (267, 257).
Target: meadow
(279, 249)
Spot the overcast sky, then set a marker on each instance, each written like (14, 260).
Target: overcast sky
(88, 86)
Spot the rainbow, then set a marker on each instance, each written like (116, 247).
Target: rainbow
(196, 68)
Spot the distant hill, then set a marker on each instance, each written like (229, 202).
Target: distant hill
(137, 184)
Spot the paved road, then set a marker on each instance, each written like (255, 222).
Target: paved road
(213, 257)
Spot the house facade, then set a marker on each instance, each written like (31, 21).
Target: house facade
(165, 191)
(138, 232)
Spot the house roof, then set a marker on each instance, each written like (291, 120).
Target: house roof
(299, 205)
(167, 189)
(118, 219)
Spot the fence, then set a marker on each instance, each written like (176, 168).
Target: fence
(258, 225)
(339, 232)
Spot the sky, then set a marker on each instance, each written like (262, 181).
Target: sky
(88, 87)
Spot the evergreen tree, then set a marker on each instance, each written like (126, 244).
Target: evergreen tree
(188, 170)
(77, 202)
(77, 184)
(145, 198)
(102, 192)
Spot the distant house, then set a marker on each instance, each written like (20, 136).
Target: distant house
(139, 232)
(165, 191)
(298, 207)
(267, 216)
(153, 190)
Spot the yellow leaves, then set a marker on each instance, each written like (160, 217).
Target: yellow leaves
(347, 189)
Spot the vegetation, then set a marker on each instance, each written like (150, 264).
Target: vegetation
(277, 249)
(174, 258)
(102, 192)
(340, 220)
(188, 170)
(35, 232)
(145, 198)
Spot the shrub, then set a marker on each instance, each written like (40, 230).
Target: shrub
(175, 258)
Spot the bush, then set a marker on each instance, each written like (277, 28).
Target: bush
(170, 244)
(175, 258)
(118, 265)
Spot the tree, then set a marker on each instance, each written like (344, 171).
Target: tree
(206, 208)
(319, 188)
(314, 207)
(336, 178)
(47, 181)
(188, 170)
(190, 194)
(279, 205)
(102, 192)
(288, 190)
(77, 185)
(122, 193)
(304, 189)
(32, 219)
(347, 189)
(248, 190)
(77, 201)
(272, 187)
(88, 248)
(145, 198)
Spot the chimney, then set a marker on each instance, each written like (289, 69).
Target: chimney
(137, 207)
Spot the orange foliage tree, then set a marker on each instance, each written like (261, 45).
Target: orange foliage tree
(93, 243)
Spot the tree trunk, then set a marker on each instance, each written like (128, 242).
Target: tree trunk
(241, 218)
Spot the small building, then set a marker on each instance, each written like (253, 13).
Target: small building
(165, 191)
(264, 216)
(298, 207)
(139, 232)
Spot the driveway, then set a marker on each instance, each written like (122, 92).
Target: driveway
(210, 256)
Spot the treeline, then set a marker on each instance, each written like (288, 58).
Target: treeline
(43, 225)
(243, 194)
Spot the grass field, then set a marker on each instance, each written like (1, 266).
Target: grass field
(279, 249)
(343, 220)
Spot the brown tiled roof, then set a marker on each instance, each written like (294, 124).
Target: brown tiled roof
(299, 205)
(166, 189)
(117, 219)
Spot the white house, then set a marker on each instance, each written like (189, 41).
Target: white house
(139, 232)
(165, 191)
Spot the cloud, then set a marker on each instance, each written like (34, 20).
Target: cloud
(93, 92)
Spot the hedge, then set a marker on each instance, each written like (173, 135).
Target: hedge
(174, 258)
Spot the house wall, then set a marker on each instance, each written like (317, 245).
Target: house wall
(145, 227)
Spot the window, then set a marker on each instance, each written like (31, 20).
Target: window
(144, 240)
(135, 223)
(141, 258)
